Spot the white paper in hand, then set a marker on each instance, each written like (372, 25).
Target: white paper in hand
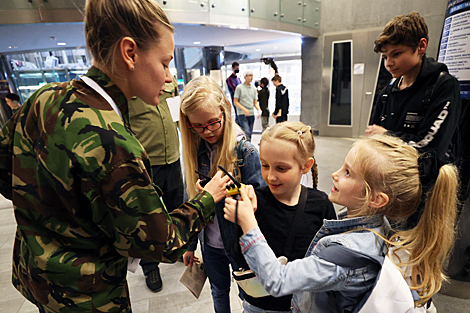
(174, 106)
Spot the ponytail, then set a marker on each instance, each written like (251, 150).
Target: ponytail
(430, 242)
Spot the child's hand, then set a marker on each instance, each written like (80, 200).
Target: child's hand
(216, 186)
(246, 209)
(374, 129)
(198, 185)
(189, 258)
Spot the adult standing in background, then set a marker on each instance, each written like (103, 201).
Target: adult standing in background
(157, 132)
(263, 98)
(246, 99)
(282, 100)
(232, 82)
(79, 179)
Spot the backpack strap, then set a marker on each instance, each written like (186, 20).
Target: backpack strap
(240, 156)
(345, 257)
(430, 89)
(294, 227)
(388, 88)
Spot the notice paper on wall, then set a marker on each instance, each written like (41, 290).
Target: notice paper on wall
(174, 106)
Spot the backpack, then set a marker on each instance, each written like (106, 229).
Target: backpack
(390, 293)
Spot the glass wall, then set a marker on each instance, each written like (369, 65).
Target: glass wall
(31, 70)
(290, 72)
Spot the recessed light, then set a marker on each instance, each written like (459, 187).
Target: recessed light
(9, 47)
(61, 44)
(196, 42)
(258, 50)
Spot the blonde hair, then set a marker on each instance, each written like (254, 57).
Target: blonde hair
(301, 136)
(108, 22)
(387, 164)
(204, 93)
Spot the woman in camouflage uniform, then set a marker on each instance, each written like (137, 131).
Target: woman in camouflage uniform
(79, 179)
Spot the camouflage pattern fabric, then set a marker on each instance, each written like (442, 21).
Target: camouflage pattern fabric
(83, 200)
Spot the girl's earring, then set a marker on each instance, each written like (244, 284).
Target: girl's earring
(133, 68)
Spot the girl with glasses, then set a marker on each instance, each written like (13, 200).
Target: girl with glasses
(211, 138)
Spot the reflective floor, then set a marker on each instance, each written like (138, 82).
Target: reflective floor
(174, 297)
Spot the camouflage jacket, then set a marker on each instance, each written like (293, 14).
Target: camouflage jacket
(83, 200)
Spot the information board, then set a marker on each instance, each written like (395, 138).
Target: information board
(454, 50)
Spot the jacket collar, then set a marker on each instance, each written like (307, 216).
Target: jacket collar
(111, 89)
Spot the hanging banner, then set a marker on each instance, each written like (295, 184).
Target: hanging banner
(454, 50)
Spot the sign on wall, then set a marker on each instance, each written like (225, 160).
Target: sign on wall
(454, 50)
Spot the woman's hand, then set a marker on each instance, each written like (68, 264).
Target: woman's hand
(247, 206)
(217, 186)
(189, 258)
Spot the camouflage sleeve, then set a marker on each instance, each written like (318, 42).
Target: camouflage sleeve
(128, 210)
(6, 149)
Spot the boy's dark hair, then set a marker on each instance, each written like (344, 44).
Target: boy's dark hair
(264, 81)
(277, 77)
(13, 97)
(234, 64)
(403, 30)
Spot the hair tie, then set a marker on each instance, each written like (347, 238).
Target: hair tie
(428, 166)
(299, 132)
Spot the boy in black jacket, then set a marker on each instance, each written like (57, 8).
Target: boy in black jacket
(426, 119)
(282, 100)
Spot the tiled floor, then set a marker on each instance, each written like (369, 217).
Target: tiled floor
(174, 297)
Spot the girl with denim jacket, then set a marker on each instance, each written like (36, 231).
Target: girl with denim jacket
(379, 180)
(211, 138)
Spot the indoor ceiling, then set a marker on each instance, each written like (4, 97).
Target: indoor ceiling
(252, 41)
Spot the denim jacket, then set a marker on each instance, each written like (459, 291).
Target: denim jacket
(250, 175)
(309, 279)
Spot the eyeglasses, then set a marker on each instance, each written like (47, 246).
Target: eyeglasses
(211, 126)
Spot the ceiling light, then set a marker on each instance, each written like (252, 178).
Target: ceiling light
(258, 50)
(196, 42)
(233, 27)
(61, 44)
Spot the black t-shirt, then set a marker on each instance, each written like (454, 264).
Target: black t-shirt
(275, 221)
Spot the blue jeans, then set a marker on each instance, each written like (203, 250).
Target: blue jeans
(246, 123)
(218, 271)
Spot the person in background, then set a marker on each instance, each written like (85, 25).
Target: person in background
(379, 181)
(79, 180)
(156, 131)
(13, 101)
(246, 99)
(211, 138)
(232, 82)
(282, 100)
(263, 98)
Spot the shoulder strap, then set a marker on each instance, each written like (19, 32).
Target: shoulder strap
(430, 89)
(240, 156)
(295, 224)
(388, 88)
(346, 257)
